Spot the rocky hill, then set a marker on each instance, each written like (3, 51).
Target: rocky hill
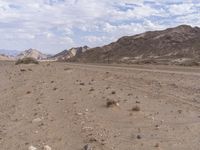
(32, 53)
(67, 54)
(177, 44)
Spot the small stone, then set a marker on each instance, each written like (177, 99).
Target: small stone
(32, 148)
(92, 89)
(139, 137)
(55, 89)
(157, 145)
(136, 108)
(113, 92)
(86, 147)
(79, 114)
(111, 103)
(92, 140)
(28, 92)
(37, 120)
(22, 70)
(82, 83)
(47, 147)
(179, 111)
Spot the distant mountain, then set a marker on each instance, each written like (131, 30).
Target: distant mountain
(9, 52)
(5, 57)
(32, 53)
(67, 54)
(173, 44)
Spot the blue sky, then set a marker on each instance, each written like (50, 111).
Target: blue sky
(55, 25)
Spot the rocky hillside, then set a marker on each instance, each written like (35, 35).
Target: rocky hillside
(32, 53)
(67, 54)
(171, 45)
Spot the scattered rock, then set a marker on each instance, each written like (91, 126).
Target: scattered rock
(22, 70)
(55, 89)
(113, 92)
(47, 147)
(92, 89)
(111, 103)
(157, 145)
(37, 120)
(87, 128)
(87, 147)
(107, 87)
(139, 137)
(136, 108)
(32, 148)
(157, 126)
(67, 69)
(28, 92)
(92, 140)
(179, 111)
(79, 114)
(82, 83)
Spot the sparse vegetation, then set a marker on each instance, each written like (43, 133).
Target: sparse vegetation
(27, 60)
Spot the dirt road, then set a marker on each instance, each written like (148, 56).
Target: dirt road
(59, 106)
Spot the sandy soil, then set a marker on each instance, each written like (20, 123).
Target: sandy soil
(61, 106)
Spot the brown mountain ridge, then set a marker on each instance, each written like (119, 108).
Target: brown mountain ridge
(173, 45)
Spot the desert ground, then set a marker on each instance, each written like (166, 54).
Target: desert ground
(64, 106)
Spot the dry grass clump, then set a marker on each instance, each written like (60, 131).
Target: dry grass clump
(27, 60)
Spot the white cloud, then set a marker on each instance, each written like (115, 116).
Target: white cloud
(181, 9)
(53, 25)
